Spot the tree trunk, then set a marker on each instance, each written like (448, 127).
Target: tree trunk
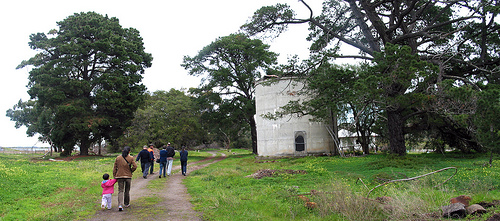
(395, 127)
(491, 158)
(335, 128)
(100, 147)
(362, 137)
(253, 128)
(364, 141)
(66, 151)
(84, 147)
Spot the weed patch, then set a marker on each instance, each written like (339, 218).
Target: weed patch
(272, 173)
(406, 162)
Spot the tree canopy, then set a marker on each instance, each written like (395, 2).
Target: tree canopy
(230, 66)
(166, 117)
(418, 49)
(85, 83)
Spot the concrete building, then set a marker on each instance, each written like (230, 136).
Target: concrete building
(288, 136)
(348, 141)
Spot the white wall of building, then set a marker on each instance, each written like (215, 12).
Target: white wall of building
(277, 137)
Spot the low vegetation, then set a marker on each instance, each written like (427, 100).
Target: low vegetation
(308, 188)
(32, 188)
(334, 188)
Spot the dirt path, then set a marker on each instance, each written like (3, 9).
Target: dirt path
(174, 203)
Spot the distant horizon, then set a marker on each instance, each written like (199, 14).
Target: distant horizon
(24, 147)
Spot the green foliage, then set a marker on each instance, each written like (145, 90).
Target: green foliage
(231, 66)
(487, 118)
(85, 83)
(166, 117)
(407, 41)
(265, 19)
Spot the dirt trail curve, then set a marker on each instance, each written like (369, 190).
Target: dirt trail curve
(174, 204)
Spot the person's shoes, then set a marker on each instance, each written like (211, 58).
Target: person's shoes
(120, 208)
(145, 177)
(103, 206)
(126, 206)
(159, 176)
(184, 174)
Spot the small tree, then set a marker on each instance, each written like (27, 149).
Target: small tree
(231, 66)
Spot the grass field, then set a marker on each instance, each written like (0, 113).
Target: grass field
(337, 188)
(340, 186)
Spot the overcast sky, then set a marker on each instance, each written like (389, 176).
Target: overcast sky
(170, 29)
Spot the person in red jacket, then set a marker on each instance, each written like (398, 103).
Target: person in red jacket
(108, 188)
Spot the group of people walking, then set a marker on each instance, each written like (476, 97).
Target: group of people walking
(125, 165)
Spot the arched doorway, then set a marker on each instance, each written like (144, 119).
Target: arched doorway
(300, 141)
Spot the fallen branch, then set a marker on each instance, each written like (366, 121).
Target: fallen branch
(417, 177)
(359, 179)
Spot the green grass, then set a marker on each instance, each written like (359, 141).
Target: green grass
(42, 189)
(33, 189)
(222, 191)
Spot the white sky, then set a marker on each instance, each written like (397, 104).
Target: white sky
(170, 29)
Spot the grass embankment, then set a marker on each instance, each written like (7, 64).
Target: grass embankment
(34, 189)
(223, 191)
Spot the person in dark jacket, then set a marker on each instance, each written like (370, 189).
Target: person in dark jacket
(184, 160)
(163, 161)
(170, 158)
(145, 157)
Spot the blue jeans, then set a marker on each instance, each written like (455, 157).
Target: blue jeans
(145, 168)
(183, 167)
(152, 167)
(163, 168)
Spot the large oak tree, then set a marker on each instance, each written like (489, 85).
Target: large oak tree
(85, 84)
